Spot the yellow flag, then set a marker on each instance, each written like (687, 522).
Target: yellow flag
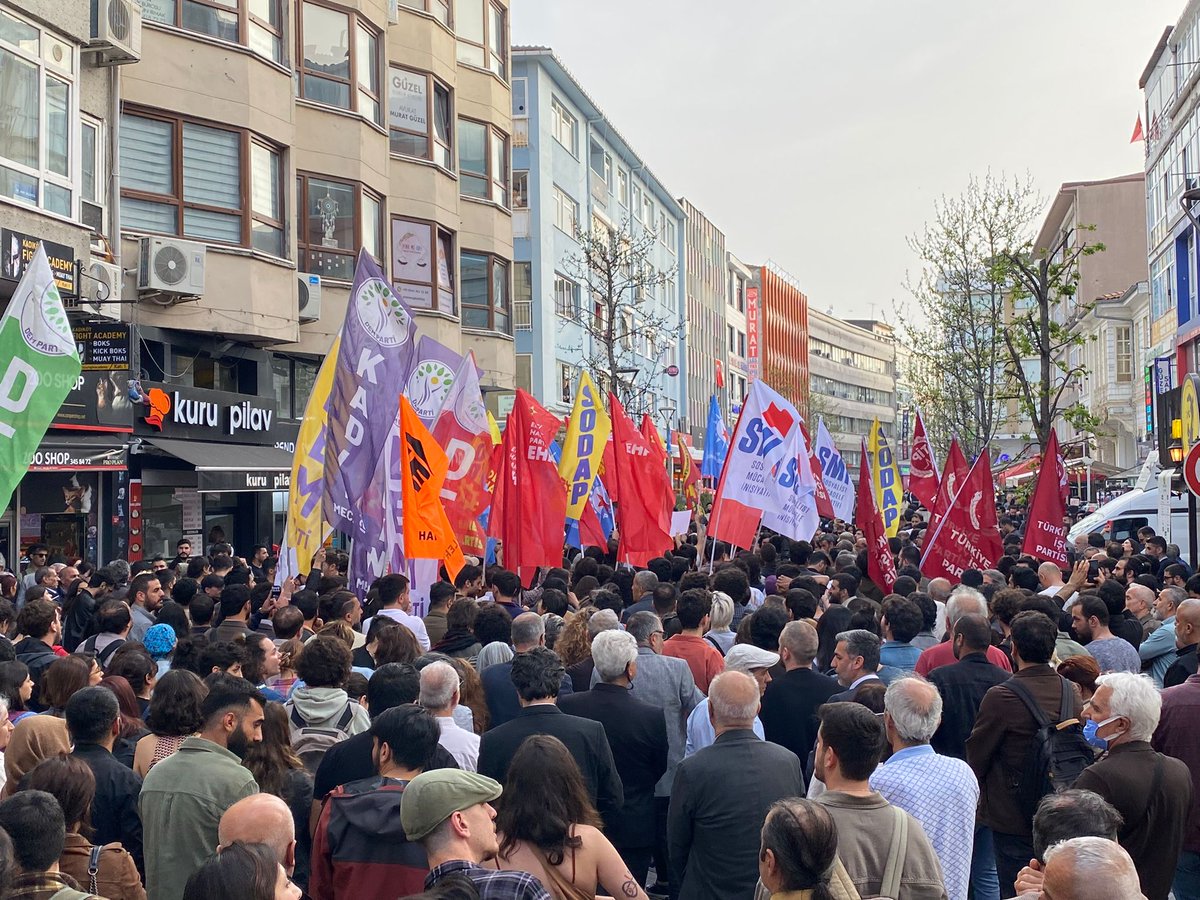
(885, 475)
(494, 428)
(587, 433)
(305, 529)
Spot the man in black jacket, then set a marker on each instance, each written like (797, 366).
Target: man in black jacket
(93, 720)
(537, 675)
(789, 707)
(720, 795)
(39, 621)
(963, 684)
(637, 736)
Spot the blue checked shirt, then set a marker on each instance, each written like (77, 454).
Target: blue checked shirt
(941, 793)
(491, 884)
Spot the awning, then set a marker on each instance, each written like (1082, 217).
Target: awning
(232, 467)
(1014, 475)
(60, 452)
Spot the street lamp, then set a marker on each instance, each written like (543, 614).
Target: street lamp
(1175, 448)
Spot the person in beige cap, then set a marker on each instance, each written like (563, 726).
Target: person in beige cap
(756, 663)
(449, 812)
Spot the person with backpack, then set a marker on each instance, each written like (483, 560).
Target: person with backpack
(112, 622)
(320, 711)
(1027, 742)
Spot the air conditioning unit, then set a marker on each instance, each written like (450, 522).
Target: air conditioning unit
(116, 34)
(171, 270)
(101, 295)
(309, 290)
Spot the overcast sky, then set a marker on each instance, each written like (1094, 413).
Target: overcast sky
(819, 134)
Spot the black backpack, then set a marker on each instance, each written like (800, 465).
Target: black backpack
(1057, 753)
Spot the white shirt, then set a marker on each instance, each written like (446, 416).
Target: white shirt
(463, 745)
(412, 623)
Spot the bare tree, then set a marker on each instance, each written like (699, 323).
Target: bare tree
(629, 330)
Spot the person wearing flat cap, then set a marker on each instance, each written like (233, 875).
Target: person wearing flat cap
(756, 663)
(449, 812)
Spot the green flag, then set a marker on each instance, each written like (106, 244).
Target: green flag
(39, 365)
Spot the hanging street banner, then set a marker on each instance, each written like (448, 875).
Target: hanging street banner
(40, 366)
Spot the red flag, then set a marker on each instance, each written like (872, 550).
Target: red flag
(881, 567)
(690, 476)
(824, 502)
(1137, 131)
(923, 480)
(461, 429)
(643, 535)
(591, 532)
(720, 369)
(952, 479)
(662, 471)
(1045, 534)
(529, 507)
(967, 537)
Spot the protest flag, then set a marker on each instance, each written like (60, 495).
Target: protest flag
(967, 537)
(889, 489)
(953, 476)
(643, 534)
(881, 567)
(923, 478)
(427, 531)
(462, 429)
(1045, 533)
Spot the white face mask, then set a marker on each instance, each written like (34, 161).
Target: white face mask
(1112, 737)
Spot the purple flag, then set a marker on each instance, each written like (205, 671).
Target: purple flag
(431, 378)
(378, 546)
(373, 366)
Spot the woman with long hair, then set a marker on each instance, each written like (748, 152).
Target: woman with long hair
(279, 771)
(173, 716)
(70, 781)
(460, 641)
(574, 645)
(63, 678)
(16, 686)
(133, 729)
(548, 826)
(241, 872)
(289, 655)
(470, 693)
(395, 645)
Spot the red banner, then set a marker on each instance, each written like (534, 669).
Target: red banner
(967, 536)
(638, 476)
(923, 480)
(952, 479)
(461, 429)
(529, 507)
(881, 567)
(661, 471)
(824, 502)
(1045, 533)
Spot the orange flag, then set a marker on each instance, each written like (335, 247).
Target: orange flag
(427, 531)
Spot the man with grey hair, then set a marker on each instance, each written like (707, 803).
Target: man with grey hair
(720, 790)
(644, 583)
(440, 695)
(963, 601)
(1068, 814)
(1158, 650)
(1089, 868)
(856, 661)
(528, 632)
(789, 706)
(1152, 792)
(940, 792)
(581, 673)
(637, 735)
(666, 684)
(756, 663)
(1139, 603)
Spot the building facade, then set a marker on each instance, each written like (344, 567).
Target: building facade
(737, 369)
(575, 174)
(706, 282)
(852, 380)
(777, 333)
(226, 221)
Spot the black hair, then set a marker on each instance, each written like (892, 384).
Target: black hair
(537, 674)
(904, 618)
(183, 590)
(392, 684)
(692, 607)
(307, 602)
(1092, 605)
(1034, 637)
(493, 623)
(201, 609)
(766, 623)
(975, 632)
(855, 735)
(212, 581)
(466, 574)
(506, 583)
(732, 581)
(113, 617)
(801, 603)
(410, 732)
(221, 656)
(175, 707)
(226, 692)
(554, 601)
(36, 618)
(90, 714)
(175, 615)
(35, 823)
(234, 599)
(929, 610)
(905, 585)
(441, 594)
(391, 588)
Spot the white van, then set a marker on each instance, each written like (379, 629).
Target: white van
(1121, 518)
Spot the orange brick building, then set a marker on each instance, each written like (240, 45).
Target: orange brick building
(783, 334)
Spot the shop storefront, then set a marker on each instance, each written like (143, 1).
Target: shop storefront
(207, 459)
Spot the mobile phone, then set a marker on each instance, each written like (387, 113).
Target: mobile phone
(1093, 570)
(275, 592)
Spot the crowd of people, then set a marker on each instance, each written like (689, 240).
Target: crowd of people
(716, 724)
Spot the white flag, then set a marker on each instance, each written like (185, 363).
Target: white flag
(835, 475)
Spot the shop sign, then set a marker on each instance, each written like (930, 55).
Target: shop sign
(18, 250)
(99, 399)
(753, 333)
(208, 481)
(203, 415)
(75, 459)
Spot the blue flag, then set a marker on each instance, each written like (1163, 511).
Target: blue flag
(716, 441)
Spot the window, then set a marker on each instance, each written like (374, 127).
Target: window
(1124, 354)
(257, 24)
(666, 232)
(566, 212)
(520, 189)
(186, 178)
(485, 292)
(601, 163)
(91, 180)
(335, 218)
(566, 298)
(481, 28)
(482, 162)
(522, 296)
(292, 381)
(339, 60)
(520, 98)
(416, 99)
(439, 9)
(564, 125)
(37, 109)
(623, 187)
(422, 264)
(647, 211)
(566, 382)
(599, 316)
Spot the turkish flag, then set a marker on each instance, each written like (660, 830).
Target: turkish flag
(638, 475)
(881, 567)
(1138, 135)
(529, 506)
(967, 536)
(1045, 534)
(952, 478)
(720, 373)
(923, 480)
